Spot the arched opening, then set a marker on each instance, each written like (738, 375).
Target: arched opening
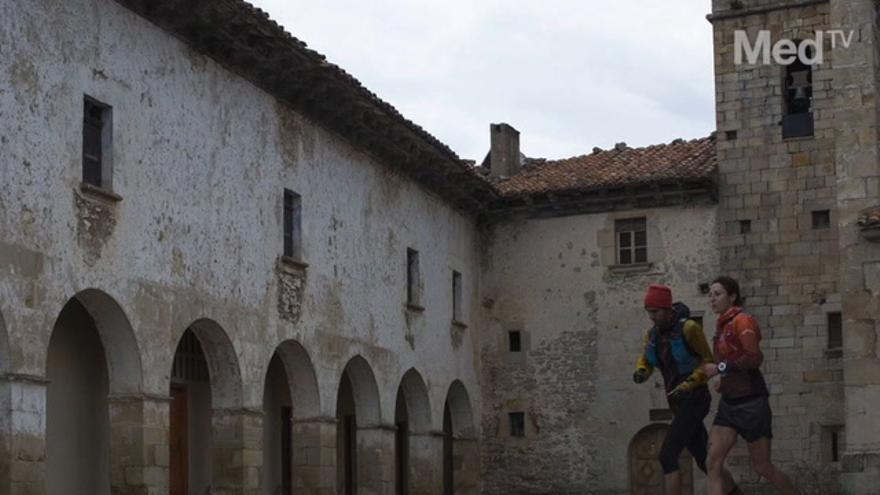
(5, 406)
(92, 354)
(205, 379)
(401, 445)
(645, 472)
(277, 434)
(291, 427)
(461, 466)
(346, 438)
(358, 442)
(414, 449)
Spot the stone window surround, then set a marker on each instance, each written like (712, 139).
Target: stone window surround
(607, 240)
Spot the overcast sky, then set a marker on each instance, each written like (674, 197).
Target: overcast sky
(568, 74)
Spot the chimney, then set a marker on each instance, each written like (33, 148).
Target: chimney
(504, 154)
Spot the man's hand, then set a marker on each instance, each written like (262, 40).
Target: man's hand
(681, 389)
(710, 369)
(640, 375)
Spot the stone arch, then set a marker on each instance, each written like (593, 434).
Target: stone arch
(416, 448)
(362, 445)
(207, 419)
(645, 472)
(365, 390)
(418, 406)
(5, 408)
(5, 365)
(460, 410)
(94, 369)
(292, 428)
(302, 379)
(461, 453)
(223, 367)
(117, 336)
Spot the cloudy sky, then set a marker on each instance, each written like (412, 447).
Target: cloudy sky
(568, 74)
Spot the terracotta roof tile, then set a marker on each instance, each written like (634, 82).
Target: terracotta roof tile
(679, 160)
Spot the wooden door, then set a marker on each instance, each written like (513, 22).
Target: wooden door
(179, 465)
(645, 472)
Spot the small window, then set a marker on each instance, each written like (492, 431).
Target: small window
(412, 277)
(745, 226)
(517, 424)
(832, 443)
(456, 296)
(96, 149)
(632, 241)
(835, 331)
(292, 224)
(797, 119)
(730, 135)
(514, 341)
(821, 219)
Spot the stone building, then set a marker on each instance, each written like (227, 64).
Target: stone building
(225, 265)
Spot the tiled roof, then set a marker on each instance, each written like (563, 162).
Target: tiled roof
(620, 166)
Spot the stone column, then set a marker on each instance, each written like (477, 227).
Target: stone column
(426, 463)
(466, 466)
(375, 460)
(23, 434)
(237, 451)
(139, 444)
(855, 82)
(314, 456)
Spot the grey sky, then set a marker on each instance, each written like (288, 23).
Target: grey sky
(569, 75)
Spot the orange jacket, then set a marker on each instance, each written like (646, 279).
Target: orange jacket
(737, 335)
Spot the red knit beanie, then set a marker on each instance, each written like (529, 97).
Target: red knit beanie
(658, 296)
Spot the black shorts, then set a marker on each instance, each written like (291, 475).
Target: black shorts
(751, 418)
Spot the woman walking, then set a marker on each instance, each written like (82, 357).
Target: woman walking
(744, 408)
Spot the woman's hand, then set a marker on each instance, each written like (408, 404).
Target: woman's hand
(710, 369)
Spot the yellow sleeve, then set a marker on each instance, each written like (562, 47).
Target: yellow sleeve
(642, 363)
(696, 341)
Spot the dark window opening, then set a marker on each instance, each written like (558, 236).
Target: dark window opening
(517, 424)
(96, 143)
(456, 296)
(632, 241)
(730, 135)
(514, 341)
(835, 446)
(835, 331)
(412, 276)
(797, 119)
(292, 224)
(821, 219)
(745, 226)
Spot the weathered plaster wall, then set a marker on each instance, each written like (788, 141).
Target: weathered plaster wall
(200, 159)
(583, 324)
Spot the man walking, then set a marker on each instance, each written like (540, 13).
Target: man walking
(676, 346)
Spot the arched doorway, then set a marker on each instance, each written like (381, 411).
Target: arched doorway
(205, 392)
(359, 435)
(645, 472)
(292, 430)
(92, 353)
(414, 444)
(461, 456)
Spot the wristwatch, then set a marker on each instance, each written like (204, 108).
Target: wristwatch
(722, 368)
